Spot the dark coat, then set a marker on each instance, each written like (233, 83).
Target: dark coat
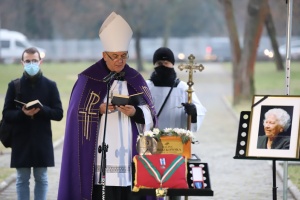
(32, 137)
(280, 142)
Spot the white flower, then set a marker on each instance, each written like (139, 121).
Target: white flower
(179, 131)
(168, 130)
(148, 133)
(156, 131)
(190, 134)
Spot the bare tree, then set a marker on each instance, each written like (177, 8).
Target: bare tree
(137, 17)
(169, 19)
(253, 30)
(243, 70)
(235, 47)
(272, 34)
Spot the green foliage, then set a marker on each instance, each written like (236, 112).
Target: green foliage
(5, 172)
(184, 134)
(184, 138)
(294, 174)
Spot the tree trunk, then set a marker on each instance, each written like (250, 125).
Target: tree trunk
(272, 34)
(253, 30)
(169, 20)
(139, 62)
(235, 47)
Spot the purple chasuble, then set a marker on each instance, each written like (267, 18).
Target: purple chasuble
(82, 125)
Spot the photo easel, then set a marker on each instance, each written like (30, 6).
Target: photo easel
(241, 148)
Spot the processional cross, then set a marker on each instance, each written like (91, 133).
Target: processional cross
(190, 67)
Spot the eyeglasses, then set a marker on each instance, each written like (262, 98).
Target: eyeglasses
(33, 61)
(115, 57)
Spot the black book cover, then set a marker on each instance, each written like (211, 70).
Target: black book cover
(32, 104)
(121, 100)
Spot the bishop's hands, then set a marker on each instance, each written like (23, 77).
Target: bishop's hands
(127, 109)
(190, 109)
(111, 108)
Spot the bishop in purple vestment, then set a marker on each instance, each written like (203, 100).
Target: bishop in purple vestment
(85, 124)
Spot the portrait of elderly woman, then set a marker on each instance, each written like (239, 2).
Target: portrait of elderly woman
(275, 125)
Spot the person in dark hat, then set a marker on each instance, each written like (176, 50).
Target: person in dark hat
(170, 96)
(164, 81)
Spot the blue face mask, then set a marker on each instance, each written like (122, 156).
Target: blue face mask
(31, 68)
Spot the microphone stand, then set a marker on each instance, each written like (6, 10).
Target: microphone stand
(104, 147)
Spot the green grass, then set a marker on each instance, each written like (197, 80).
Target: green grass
(269, 81)
(5, 172)
(294, 174)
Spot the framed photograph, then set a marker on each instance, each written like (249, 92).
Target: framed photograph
(274, 127)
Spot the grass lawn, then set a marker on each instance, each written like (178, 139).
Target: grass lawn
(267, 81)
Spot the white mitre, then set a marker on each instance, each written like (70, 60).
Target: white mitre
(115, 33)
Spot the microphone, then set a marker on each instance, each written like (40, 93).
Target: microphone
(109, 76)
(120, 75)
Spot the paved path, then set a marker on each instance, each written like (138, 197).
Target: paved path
(231, 179)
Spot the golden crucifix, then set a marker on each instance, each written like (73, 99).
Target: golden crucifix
(190, 67)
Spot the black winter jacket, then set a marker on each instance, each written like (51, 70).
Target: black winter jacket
(32, 137)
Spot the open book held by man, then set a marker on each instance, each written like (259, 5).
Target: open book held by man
(121, 100)
(31, 104)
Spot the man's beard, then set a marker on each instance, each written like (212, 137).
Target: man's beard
(163, 76)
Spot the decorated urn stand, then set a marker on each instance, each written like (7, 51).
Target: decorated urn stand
(162, 154)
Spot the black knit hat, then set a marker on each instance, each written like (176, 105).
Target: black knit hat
(163, 53)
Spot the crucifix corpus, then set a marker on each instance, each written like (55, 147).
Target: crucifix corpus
(190, 67)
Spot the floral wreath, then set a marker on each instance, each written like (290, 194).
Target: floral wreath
(184, 134)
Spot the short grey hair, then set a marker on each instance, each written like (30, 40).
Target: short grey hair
(282, 116)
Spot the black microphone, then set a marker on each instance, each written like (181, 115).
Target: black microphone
(120, 76)
(109, 76)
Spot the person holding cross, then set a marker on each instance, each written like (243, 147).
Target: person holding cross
(170, 96)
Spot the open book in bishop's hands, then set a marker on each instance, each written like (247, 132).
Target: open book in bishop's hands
(31, 104)
(121, 100)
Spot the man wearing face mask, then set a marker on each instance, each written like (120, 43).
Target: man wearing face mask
(32, 146)
(170, 96)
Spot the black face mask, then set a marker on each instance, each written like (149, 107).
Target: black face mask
(163, 76)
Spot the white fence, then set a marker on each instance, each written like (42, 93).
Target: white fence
(83, 50)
